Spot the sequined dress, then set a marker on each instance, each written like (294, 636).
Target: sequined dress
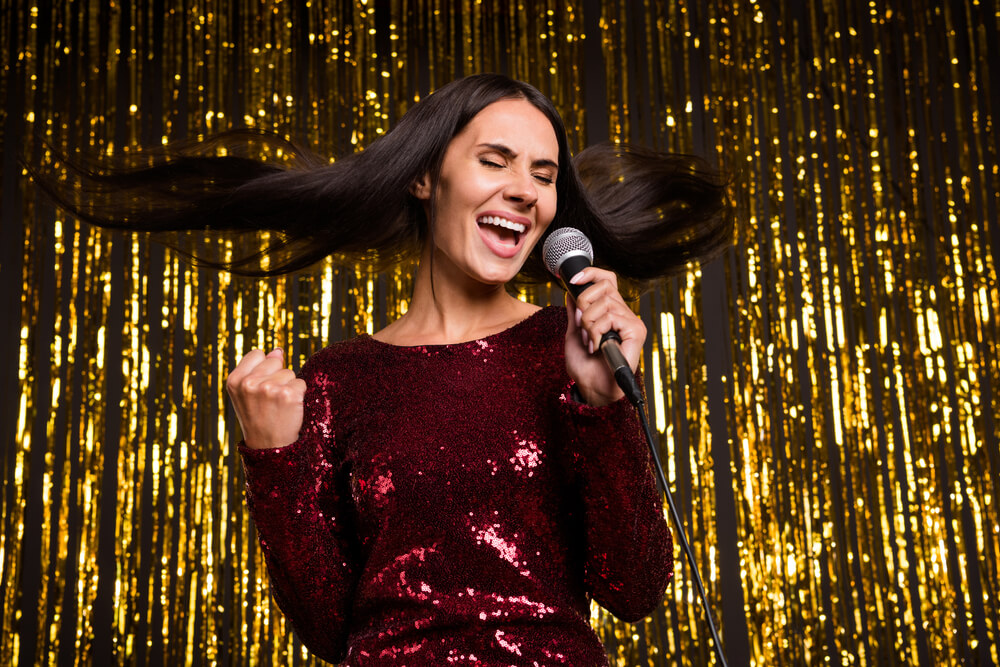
(453, 505)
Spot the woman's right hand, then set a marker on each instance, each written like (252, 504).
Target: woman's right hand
(268, 399)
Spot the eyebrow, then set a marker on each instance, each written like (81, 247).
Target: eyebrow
(508, 153)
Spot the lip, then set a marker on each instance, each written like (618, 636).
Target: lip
(500, 249)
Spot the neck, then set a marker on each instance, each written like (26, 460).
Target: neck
(453, 308)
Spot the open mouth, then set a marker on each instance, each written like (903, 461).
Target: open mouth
(504, 231)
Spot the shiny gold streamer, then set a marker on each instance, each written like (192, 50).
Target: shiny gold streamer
(825, 394)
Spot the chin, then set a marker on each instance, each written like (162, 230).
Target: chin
(498, 277)
(496, 281)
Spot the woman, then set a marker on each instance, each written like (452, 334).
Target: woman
(455, 488)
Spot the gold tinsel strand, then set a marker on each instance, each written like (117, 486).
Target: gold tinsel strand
(843, 412)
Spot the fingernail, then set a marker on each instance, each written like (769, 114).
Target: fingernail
(591, 347)
(586, 336)
(579, 316)
(577, 279)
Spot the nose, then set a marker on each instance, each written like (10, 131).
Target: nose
(522, 190)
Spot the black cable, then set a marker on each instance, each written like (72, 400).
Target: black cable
(680, 529)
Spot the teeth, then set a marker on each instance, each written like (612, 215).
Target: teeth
(502, 222)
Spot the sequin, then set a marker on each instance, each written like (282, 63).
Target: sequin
(442, 510)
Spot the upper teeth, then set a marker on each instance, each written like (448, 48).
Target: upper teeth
(502, 222)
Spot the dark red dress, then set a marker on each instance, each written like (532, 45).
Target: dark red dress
(453, 505)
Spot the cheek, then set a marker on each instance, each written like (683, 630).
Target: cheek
(473, 192)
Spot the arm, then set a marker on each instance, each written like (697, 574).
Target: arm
(628, 547)
(296, 501)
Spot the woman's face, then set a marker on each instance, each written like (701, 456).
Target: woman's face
(496, 193)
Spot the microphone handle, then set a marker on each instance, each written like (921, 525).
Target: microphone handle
(610, 344)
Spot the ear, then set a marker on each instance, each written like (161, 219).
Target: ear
(421, 188)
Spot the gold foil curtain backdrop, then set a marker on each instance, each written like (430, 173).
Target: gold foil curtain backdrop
(825, 394)
(864, 485)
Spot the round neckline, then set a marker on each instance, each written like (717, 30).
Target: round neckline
(438, 346)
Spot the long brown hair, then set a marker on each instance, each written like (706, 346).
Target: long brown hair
(646, 213)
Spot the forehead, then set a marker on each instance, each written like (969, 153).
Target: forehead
(517, 124)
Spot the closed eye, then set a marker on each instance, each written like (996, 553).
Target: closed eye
(492, 164)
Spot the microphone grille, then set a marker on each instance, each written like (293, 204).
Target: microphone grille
(562, 243)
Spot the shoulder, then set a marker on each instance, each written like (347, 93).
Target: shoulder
(536, 341)
(332, 376)
(547, 323)
(335, 362)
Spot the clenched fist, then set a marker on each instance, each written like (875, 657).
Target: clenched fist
(268, 399)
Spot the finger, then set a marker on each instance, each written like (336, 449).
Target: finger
(262, 372)
(593, 274)
(282, 386)
(253, 359)
(269, 365)
(589, 285)
(596, 326)
(281, 377)
(592, 311)
(598, 291)
(244, 366)
(273, 362)
(606, 316)
(610, 316)
(574, 316)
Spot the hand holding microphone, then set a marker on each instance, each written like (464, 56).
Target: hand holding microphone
(602, 314)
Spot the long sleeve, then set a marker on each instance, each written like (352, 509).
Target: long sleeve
(428, 514)
(629, 549)
(295, 496)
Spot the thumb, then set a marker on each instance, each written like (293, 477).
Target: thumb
(276, 352)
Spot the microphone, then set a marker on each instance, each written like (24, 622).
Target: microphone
(567, 252)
